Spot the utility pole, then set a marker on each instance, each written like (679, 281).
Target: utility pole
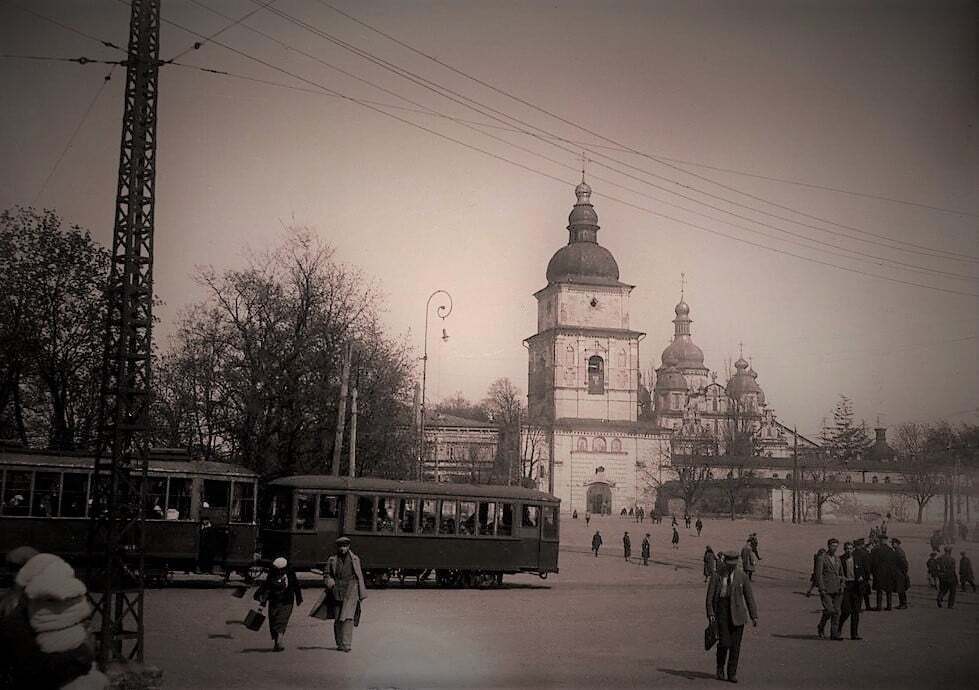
(116, 537)
(353, 431)
(342, 409)
(795, 475)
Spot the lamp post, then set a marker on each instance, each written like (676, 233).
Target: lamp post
(443, 309)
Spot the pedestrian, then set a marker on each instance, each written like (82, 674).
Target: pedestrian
(676, 538)
(674, 519)
(596, 542)
(932, 567)
(815, 564)
(965, 573)
(829, 579)
(730, 603)
(574, 515)
(903, 581)
(627, 546)
(883, 565)
(642, 514)
(710, 563)
(699, 525)
(947, 581)
(645, 550)
(753, 541)
(344, 580)
(748, 560)
(862, 558)
(853, 579)
(279, 590)
(936, 541)
(686, 520)
(587, 518)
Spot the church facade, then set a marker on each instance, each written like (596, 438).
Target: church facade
(602, 440)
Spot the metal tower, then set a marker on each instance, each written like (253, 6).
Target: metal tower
(118, 483)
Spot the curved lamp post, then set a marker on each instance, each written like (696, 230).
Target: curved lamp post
(443, 309)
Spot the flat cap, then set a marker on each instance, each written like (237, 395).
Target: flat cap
(343, 541)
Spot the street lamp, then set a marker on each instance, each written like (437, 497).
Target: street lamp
(443, 309)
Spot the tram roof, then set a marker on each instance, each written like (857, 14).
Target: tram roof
(164, 464)
(395, 486)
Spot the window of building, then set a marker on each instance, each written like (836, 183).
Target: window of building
(243, 502)
(873, 480)
(429, 516)
(407, 510)
(530, 516)
(329, 507)
(598, 445)
(570, 359)
(178, 501)
(467, 517)
(447, 518)
(623, 362)
(486, 517)
(504, 524)
(74, 490)
(616, 445)
(582, 443)
(305, 511)
(364, 518)
(774, 475)
(887, 480)
(713, 404)
(596, 375)
(676, 401)
(385, 513)
(550, 523)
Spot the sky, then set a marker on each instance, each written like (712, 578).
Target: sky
(810, 167)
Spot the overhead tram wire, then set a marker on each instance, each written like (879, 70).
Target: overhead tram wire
(661, 160)
(66, 27)
(560, 180)
(482, 108)
(200, 44)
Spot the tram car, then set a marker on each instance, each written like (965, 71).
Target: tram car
(466, 534)
(198, 514)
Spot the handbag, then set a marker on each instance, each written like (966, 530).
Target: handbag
(254, 619)
(710, 636)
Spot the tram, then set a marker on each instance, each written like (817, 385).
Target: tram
(467, 535)
(198, 514)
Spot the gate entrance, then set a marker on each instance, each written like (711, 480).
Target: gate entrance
(599, 499)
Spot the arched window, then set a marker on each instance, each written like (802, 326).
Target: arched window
(887, 480)
(570, 355)
(616, 445)
(774, 475)
(713, 404)
(873, 480)
(598, 445)
(596, 375)
(582, 443)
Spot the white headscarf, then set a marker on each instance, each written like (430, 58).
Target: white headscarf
(280, 563)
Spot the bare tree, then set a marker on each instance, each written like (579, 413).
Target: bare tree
(823, 480)
(921, 477)
(533, 443)
(504, 404)
(736, 485)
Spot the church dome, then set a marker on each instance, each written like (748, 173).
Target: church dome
(754, 375)
(682, 309)
(742, 382)
(583, 260)
(670, 379)
(684, 353)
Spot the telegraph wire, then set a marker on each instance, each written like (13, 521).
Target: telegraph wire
(623, 147)
(107, 44)
(200, 44)
(53, 58)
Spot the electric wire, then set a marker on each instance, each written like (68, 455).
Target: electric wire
(622, 147)
(75, 30)
(200, 44)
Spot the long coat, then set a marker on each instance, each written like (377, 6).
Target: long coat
(280, 589)
(901, 581)
(883, 564)
(710, 563)
(742, 599)
(349, 605)
(747, 558)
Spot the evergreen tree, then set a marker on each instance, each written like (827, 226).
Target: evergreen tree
(846, 439)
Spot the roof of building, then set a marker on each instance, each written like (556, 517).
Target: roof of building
(440, 420)
(583, 260)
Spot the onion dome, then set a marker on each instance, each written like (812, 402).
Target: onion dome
(682, 351)
(742, 382)
(754, 375)
(670, 379)
(583, 260)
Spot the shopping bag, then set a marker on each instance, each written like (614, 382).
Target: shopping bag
(710, 636)
(254, 619)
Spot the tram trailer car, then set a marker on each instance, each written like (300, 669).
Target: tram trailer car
(45, 503)
(467, 534)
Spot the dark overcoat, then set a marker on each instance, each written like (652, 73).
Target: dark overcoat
(743, 606)
(901, 581)
(883, 565)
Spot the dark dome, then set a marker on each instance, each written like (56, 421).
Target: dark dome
(670, 379)
(684, 353)
(582, 262)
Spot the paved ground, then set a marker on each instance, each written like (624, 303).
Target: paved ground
(600, 623)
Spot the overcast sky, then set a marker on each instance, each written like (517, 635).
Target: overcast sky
(875, 100)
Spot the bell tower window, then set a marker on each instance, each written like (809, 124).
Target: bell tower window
(596, 375)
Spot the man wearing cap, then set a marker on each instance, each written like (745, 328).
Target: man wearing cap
(730, 603)
(344, 578)
(947, 581)
(829, 580)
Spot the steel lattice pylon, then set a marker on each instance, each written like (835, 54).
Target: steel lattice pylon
(118, 483)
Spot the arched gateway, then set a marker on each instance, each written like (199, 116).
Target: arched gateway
(599, 498)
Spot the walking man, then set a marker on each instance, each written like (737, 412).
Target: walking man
(932, 566)
(965, 573)
(699, 525)
(596, 542)
(344, 578)
(753, 540)
(853, 578)
(947, 582)
(730, 603)
(815, 564)
(829, 579)
(748, 560)
(676, 538)
(710, 563)
(627, 546)
(587, 518)
(902, 581)
(862, 558)
(645, 550)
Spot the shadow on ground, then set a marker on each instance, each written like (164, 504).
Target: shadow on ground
(689, 675)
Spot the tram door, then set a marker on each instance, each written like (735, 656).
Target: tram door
(329, 524)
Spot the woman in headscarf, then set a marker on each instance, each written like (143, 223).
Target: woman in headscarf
(280, 589)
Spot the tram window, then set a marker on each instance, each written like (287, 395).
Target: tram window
(550, 522)
(531, 516)
(447, 518)
(407, 509)
(487, 517)
(214, 493)
(504, 526)
(16, 491)
(364, 520)
(47, 487)
(178, 500)
(280, 510)
(429, 516)
(467, 517)
(329, 507)
(156, 496)
(243, 502)
(385, 513)
(74, 487)
(305, 511)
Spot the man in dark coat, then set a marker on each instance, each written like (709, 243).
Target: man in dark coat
(627, 547)
(815, 565)
(854, 577)
(596, 542)
(883, 564)
(710, 563)
(932, 567)
(344, 580)
(902, 581)
(965, 573)
(753, 541)
(699, 525)
(645, 549)
(947, 581)
(676, 539)
(730, 603)
(829, 579)
(862, 558)
(748, 560)
(279, 590)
